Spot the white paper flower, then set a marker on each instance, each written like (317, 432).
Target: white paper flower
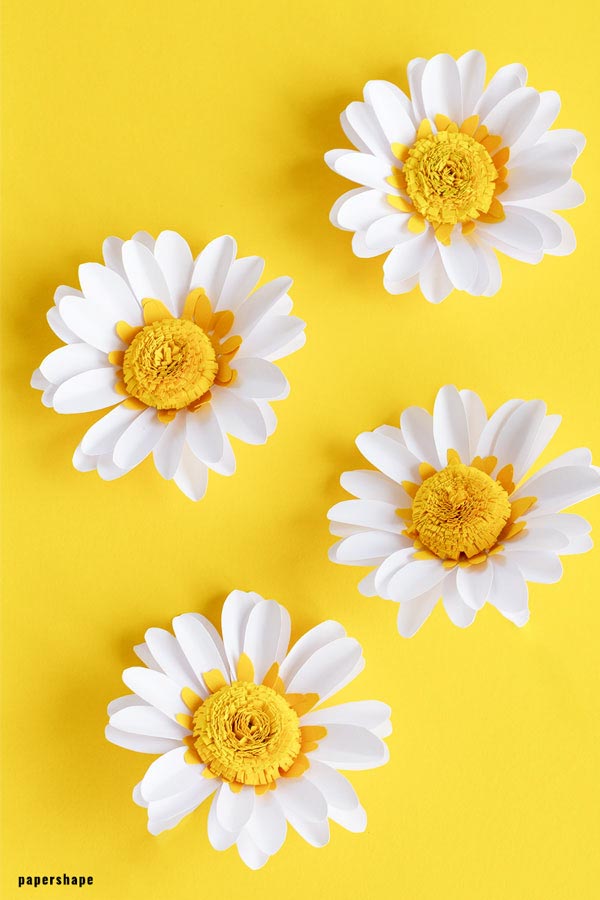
(449, 516)
(236, 717)
(454, 173)
(182, 348)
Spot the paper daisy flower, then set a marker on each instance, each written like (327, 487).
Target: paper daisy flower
(448, 514)
(240, 718)
(454, 173)
(183, 350)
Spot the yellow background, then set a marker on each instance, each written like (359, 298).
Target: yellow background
(212, 118)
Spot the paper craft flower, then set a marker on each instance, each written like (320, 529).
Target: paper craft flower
(448, 515)
(182, 348)
(454, 173)
(242, 718)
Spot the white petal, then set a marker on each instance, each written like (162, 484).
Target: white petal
(572, 526)
(388, 568)
(370, 714)
(271, 335)
(110, 291)
(559, 488)
(367, 548)
(369, 514)
(567, 196)
(314, 833)
(88, 391)
(212, 266)
(458, 611)
(351, 747)
(476, 419)
(363, 169)
(171, 659)
(234, 618)
(73, 359)
(540, 170)
(546, 113)
(241, 279)
(388, 456)
(112, 251)
(409, 257)
(174, 257)
(441, 88)
(219, 838)
(103, 434)
(518, 435)
(450, 427)
(259, 379)
(433, 279)
(304, 648)
(516, 230)
(302, 798)
(168, 450)
(391, 113)
(369, 485)
(505, 80)
(494, 427)
(536, 538)
(191, 476)
(123, 702)
(239, 417)
(354, 820)
(416, 578)
(400, 287)
(460, 262)
(138, 440)
(327, 670)
(139, 742)
(249, 852)
(510, 116)
(417, 429)
(168, 812)
(143, 652)
(471, 69)
(59, 328)
(260, 304)
(168, 775)
(234, 809)
(362, 122)
(334, 786)
(549, 232)
(144, 273)
(541, 566)
(413, 614)
(262, 638)
(361, 208)
(149, 721)
(388, 231)
(203, 434)
(156, 689)
(568, 241)
(414, 73)
(200, 643)
(267, 825)
(91, 323)
(474, 584)
(509, 589)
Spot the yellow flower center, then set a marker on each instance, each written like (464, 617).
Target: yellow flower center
(246, 733)
(450, 177)
(460, 510)
(169, 364)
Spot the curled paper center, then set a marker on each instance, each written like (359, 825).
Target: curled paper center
(450, 177)
(246, 733)
(460, 510)
(169, 364)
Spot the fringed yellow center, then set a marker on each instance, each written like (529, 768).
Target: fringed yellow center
(461, 514)
(246, 733)
(169, 364)
(460, 510)
(450, 177)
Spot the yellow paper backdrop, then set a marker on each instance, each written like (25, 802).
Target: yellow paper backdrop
(212, 118)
